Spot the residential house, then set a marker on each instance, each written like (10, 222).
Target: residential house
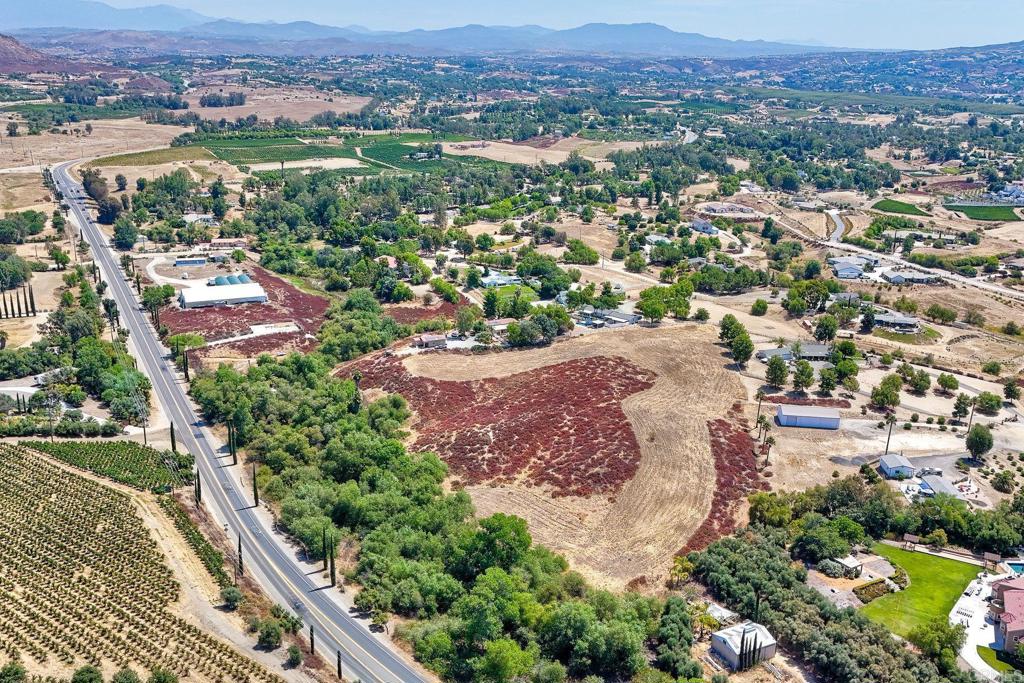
(898, 322)
(1007, 611)
(896, 466)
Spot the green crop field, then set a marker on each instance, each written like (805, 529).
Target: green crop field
(935, 585)
(274, 151)
(986, 213)
(157, 156)
(894, 206)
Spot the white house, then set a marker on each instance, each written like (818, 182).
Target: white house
(744, 645)
(895, 466)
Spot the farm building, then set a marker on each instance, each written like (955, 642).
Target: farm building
(812, 417)
(895, 466)
(744, 645)
(654, 240)
(723, 615)
(431, 341)
(229, 243)
(848, 272)
(863, 261)
(186, 261)
(201, 297)
(898, 322)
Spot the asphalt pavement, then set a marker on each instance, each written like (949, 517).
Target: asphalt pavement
(364, 655)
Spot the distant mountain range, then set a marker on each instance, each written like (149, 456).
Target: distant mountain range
(162, 28)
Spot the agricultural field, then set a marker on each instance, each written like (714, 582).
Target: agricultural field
(986, 213)
(895, 206)
(82, 581)
(273, 150)
(156, 157)
(608, 444)
(108, 137)
(125, 462)
(935, 585)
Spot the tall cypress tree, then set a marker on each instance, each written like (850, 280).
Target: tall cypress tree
(32, 299)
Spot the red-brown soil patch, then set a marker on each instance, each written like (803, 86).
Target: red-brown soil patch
(560, 426)
(736, 476)
(410, 315)
(285, 303)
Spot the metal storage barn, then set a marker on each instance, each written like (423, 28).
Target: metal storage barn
(199, 297)
(808, 416)
(744, 645)
(190, 261)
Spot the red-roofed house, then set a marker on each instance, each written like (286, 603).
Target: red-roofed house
(1007, 610)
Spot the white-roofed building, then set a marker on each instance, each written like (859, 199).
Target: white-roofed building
(744, 645)
(896, 466)
(811, 417)
(224, 295)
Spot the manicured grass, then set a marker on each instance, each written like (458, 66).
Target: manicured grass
(986, 213)
(894, 206)
(926, 336)
(935, 585)
(157, 156)
(509, 291)
(992, 658)
(275, 150)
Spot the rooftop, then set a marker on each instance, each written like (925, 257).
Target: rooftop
(734, 635)
(893, 460)
(807, 411)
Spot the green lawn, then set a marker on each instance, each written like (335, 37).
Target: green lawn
(992, 658)
(509, 291)
(894, 206)
(926, 336)
(935, 585)
(986, 213)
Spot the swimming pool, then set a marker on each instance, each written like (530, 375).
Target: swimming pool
(1017, 567)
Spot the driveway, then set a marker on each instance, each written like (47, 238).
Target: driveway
(972, 611)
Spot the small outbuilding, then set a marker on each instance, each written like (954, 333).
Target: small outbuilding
(431, 341)
(896, 466)
(812, 417)
(744, 645)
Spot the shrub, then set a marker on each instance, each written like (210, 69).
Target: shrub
(872, 590)
(831, 568)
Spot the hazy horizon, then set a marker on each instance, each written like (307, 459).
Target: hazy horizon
(908, 24)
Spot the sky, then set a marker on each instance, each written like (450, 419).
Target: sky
(903, 24)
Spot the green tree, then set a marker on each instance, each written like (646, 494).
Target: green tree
(13, 672)
(948, 383)
(826, 329)
(269, 635)
(491, 301)
(635, 262)
(979, 440)
(803, 375)
(12, 129)
(126, 676)
(652, 309)
(232, 597)
(759, 307)
(887, 394)
(940, 641)
(777, 372)
(503, 661)
(742, 348)
(827, 380)
(121, 181)
(87, 674)
(161, 675)
(294, 656)
(1011, 390)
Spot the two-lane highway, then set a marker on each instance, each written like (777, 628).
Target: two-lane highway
(364, 656)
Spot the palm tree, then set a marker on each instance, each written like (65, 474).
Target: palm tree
(890, 420)
(762, 423)
(760, 397)
(769, 442)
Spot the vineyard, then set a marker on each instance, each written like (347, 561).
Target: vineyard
(125, 462)
(211, 558)
(560, 426)
(82, 582)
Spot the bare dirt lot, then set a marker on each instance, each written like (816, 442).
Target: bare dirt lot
(634, 532)
(108, 137)
(22, 191)
(295, 103)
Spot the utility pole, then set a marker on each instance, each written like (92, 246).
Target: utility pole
(334, 576)
(255, 489)
(324, 547)
(340, 677)
(312, 640)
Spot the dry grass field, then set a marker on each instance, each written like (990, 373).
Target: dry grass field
(616, 539)
(300, 104)
(22, 191)
(108, 137)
